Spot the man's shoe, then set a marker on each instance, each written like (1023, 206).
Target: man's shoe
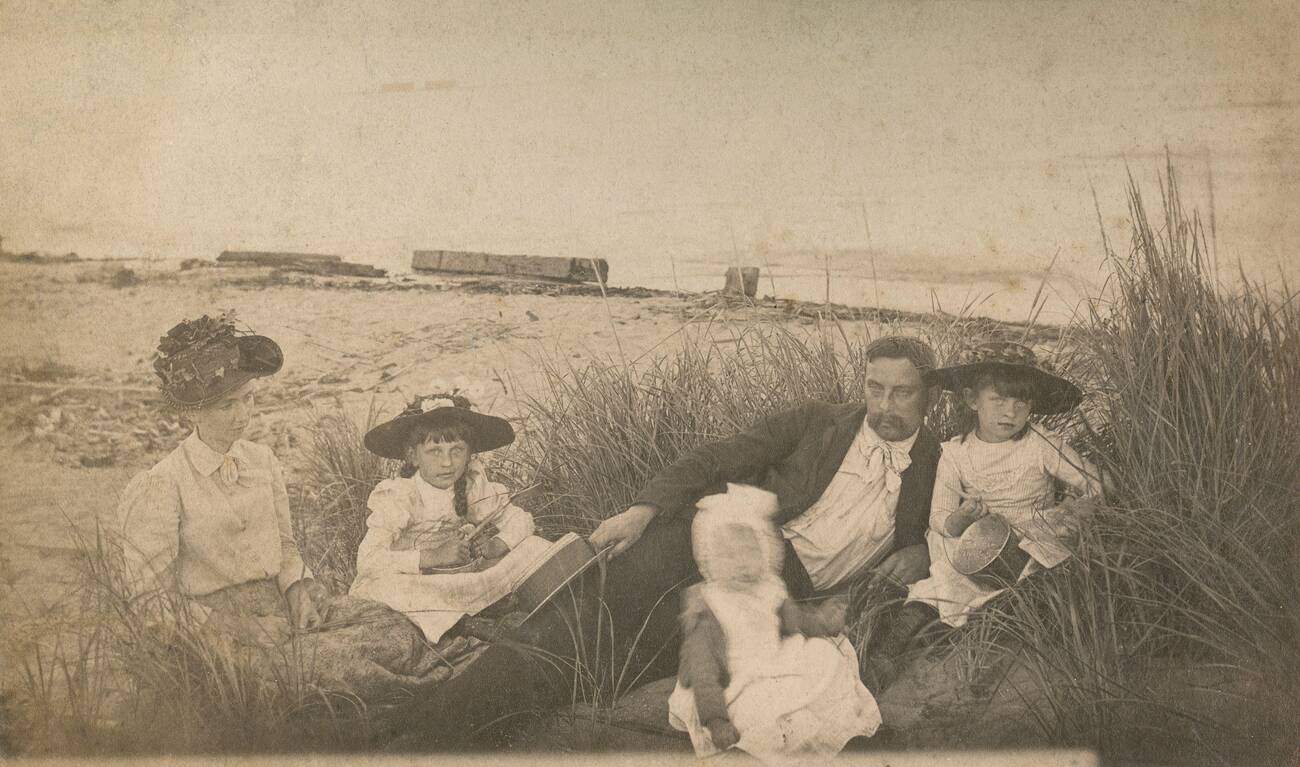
(879, 672)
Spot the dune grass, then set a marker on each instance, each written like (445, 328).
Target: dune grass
(596, 434)
(331, 499)
(131, 670)
(1176, 625)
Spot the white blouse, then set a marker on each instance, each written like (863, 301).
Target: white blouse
(398, 504)
(211, 529)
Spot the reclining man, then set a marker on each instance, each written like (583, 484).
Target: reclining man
(853, 482)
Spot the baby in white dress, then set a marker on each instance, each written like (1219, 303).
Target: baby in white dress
(758, 671)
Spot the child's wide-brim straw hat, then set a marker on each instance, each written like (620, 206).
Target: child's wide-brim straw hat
(1052, 394)
(486, 432)
(200, 361)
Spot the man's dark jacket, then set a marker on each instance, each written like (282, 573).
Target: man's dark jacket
(794, 454)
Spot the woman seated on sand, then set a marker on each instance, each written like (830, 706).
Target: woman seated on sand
(443, 541)
(210, 523)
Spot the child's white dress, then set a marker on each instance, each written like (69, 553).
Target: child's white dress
(402, 507)
(1015, 479)
(792, 699)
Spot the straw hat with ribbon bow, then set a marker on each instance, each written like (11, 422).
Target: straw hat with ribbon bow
(486, 432)
(1053, 394)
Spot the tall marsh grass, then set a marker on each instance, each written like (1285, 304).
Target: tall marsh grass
(132, 670)
(597, 434)
(1176, 626)
(331, 510)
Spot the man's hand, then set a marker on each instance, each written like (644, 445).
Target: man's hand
(723, 733)
(305, 598)
(907, 565)
(623, 529)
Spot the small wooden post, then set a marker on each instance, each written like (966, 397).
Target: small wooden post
(741, 281)
(733, 285)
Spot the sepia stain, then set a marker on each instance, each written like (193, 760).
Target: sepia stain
(990, 244)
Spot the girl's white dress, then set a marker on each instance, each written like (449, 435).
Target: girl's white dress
(388, 568)
(1017, 480)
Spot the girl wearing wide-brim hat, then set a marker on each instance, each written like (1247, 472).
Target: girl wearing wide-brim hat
(442, 540)
(1002, 465)
(210, 523)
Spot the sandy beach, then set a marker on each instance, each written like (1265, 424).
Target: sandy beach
(80, 415)
(80, 410)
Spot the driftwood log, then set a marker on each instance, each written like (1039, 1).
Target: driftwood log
(271, 258)
(311, 263)
(543, 267)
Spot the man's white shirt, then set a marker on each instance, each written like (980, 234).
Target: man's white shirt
(851, 527)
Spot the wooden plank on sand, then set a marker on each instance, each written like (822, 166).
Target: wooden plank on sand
(547, 267)
(331, 269)
(269, 258)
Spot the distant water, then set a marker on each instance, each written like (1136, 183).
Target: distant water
(1008, 295)
(916, 284)
(1012, 296)
(961, 143)
(847, 279)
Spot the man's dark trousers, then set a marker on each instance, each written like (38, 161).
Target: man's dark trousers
(639, 600)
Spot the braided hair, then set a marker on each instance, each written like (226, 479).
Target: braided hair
(449, 431)
(461, 496)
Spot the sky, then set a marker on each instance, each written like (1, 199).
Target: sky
(948, 138)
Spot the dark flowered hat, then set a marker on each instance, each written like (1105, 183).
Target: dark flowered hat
(486, 432)
(201, 360)
(1053, 393)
